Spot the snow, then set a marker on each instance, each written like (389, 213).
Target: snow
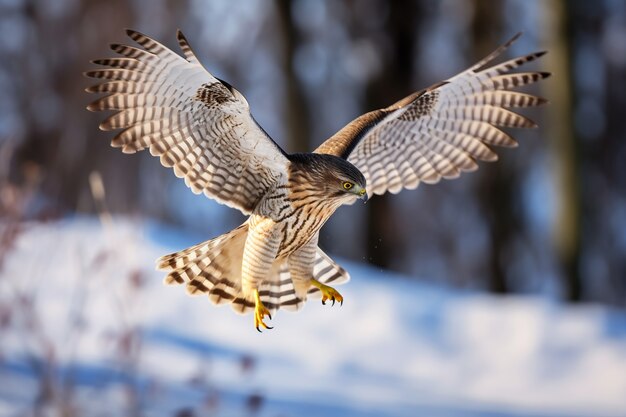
(397, 347)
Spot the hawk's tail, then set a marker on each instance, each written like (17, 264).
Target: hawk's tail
(214, 268)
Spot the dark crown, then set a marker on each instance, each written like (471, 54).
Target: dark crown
(323, 164)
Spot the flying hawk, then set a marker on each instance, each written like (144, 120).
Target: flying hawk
(201, 126)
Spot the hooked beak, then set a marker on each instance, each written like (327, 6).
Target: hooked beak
(363, 195)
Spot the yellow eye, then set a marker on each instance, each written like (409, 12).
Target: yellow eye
(347, 185)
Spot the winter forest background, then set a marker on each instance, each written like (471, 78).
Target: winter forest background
(544, 228)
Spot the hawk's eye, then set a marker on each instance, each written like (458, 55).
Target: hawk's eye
(347, 185)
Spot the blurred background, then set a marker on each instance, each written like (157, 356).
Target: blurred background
(547, 221)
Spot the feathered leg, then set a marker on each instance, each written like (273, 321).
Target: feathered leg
(301, 264)
(258, 256)
(302, 269)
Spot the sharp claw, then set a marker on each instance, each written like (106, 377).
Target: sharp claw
(260, 312)
(328, 293)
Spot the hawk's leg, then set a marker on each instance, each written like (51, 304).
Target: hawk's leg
(301, 264)
(328, 293)
(260, 311)
(258, 255)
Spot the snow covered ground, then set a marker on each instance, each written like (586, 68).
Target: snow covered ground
(100, 326)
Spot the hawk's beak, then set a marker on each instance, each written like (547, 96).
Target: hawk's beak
(363, 195)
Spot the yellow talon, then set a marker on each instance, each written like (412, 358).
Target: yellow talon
(328, 293)
(260, 311)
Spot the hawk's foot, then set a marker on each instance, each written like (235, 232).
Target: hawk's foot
(260, 311)
(328, 293)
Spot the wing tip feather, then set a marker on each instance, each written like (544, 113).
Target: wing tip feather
(126, 150)
(496, 52)
(490, 157)
(515, 37)
(132, 33)
(180, 36)
(433, 179)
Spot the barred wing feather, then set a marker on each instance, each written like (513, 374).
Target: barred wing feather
(197, 124)
(441, 131)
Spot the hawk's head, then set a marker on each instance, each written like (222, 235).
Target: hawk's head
(329, 177)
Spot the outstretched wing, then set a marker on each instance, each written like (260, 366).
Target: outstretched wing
(195, 123)
(440, 131)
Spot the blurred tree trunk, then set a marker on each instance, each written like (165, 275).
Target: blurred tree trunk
(394, 81)
(564, 150)
(569, 228)
(295, 112)
(59, 145)
(61, 136)
(611, 158)
(496, 180)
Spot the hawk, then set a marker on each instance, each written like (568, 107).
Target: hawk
(201, 126)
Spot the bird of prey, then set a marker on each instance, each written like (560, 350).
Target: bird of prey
(201, 126)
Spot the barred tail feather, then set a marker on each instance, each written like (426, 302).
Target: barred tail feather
(212, 267)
